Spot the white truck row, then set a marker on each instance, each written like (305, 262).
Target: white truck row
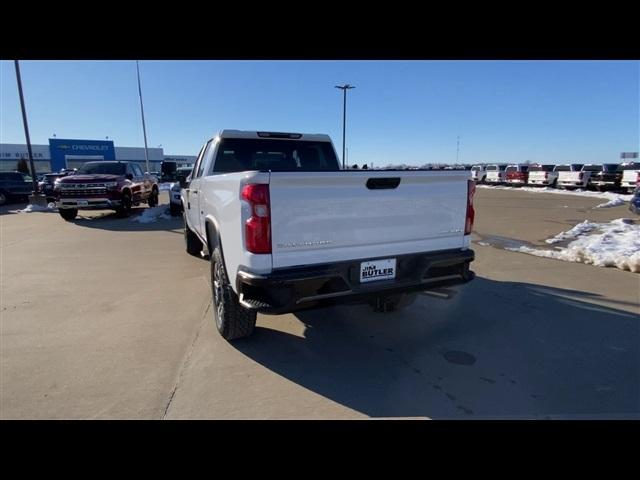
(625, 176)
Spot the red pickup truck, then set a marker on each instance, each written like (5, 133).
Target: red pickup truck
(517, 174)
(105, 185)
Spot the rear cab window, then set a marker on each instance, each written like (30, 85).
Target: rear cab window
(240, 154)
(631, 166)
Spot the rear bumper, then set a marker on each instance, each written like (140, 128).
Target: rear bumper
(298, 288)
(90, 203)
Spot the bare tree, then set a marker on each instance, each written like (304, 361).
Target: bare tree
(22, 166)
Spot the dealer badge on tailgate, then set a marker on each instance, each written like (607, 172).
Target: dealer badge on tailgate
(378, 270)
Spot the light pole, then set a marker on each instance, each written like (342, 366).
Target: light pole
(144, 128)
(344, 89)
(34, 196)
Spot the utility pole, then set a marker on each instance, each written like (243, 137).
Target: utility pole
(144, 128)
(344, 89)
(34, 198)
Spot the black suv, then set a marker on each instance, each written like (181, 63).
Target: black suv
(14, 186)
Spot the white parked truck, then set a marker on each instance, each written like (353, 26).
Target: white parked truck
(542, 175)
(496, 174)
(285, 229)
(630, 176)
(571, 176)
(478, 173)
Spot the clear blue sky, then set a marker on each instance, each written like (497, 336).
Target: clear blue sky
(400, 112)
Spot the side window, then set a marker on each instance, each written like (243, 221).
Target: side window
(129, 170)
(137, 171)
(197, 168)
(205, 157)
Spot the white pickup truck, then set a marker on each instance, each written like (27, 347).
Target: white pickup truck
(496, 174)
(285, 229)
(630, 176)
(572, 176)
(544, 175)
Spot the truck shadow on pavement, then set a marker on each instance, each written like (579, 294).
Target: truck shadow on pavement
(496, 350)
(109, 220)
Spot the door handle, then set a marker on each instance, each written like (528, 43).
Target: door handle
(383, 183)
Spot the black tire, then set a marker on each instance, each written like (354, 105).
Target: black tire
(174, 209)
(233, 321)
(68, 213)
(393, 303)
(192, 243)
(153, 198)
(125, 209)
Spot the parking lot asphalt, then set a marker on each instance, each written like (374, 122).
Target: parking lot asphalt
(109, 318)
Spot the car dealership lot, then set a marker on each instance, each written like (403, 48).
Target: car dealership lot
(110, 318)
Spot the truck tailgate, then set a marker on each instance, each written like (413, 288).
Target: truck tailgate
(321, 217)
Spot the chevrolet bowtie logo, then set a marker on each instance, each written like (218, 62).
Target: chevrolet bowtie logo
(64, 147)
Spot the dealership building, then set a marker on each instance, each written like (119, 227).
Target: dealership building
(61, 153)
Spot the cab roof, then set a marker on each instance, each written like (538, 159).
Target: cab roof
(255, 134)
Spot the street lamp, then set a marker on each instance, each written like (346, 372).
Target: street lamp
(144, 128)
(35, 198)
(344, 89)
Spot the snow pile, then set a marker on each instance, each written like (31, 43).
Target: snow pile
(614, 202)
(614, 199)
(579, 229)
(51, 207)
(153, 214)
(614, 244)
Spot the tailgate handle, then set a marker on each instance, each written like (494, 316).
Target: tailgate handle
(380, 183)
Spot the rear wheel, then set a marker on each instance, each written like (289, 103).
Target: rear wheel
(192, 243)
(153, 198)
(124, 210)
(68, 213)
(233, 321)
(174, 209)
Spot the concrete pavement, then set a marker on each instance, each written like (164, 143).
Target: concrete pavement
(108, 318)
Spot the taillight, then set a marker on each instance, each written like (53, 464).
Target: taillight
(257, 229)
(471, 213)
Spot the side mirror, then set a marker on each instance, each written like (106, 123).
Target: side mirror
(129, 176)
